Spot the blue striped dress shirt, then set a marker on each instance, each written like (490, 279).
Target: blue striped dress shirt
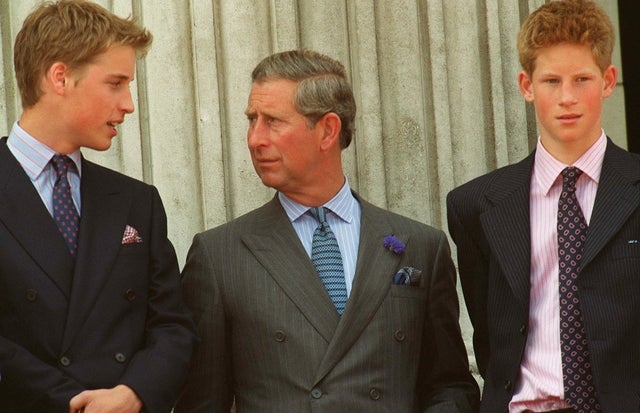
(344, 220)
(34, 156)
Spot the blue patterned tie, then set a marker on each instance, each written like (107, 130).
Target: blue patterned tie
(326, 257)
(579, 390)
(64, 211)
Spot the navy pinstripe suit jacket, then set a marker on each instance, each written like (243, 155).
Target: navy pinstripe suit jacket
(489, 222)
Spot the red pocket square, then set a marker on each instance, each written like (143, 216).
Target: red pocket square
(131, 236)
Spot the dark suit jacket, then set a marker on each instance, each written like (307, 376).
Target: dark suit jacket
(115, 317)
(489, 222)
(272, 337)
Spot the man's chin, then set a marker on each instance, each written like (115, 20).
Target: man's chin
(100, 146)
(269, 181)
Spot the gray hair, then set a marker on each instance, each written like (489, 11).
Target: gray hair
(322, 86)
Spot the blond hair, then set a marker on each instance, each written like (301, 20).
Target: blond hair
(73, 32)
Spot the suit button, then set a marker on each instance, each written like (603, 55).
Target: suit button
(399, 335)
(130, 295)
(523, 329)
(280, 336)
(316, 393)
(120, 358)
(375, 394)
(32, 295)
(507, 385)
(65, 361)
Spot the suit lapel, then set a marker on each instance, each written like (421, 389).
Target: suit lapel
(507, 225)
(25, 216)
(617, 198)
(277, 247)
(373, 278)
(105, 207)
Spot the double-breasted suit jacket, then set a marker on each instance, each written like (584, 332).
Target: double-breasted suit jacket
(114, 316)
(489, 221)
(272, 338)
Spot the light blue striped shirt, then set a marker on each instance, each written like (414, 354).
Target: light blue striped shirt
(34, 156)
(344, 220)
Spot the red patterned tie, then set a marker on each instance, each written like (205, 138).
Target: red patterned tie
(64, 211)
(579, 390)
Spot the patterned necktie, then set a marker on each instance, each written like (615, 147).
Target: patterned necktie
(579, 390)
(326, 257)
(64, 211)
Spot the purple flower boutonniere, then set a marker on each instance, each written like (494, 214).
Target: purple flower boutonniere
(394, 244)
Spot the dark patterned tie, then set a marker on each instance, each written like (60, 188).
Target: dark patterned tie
(326, 257)
(64, 211)
(579, 390)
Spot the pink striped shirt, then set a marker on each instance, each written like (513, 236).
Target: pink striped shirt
(540, 385)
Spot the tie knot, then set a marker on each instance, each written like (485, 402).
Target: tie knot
(570, 176)
(61, 164)
(319, 213)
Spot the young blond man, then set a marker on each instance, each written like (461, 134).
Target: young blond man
(548, 248)
(91, 317)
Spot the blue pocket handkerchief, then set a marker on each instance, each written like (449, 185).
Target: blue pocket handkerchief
(407, 276)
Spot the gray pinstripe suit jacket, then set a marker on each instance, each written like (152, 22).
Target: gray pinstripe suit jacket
(272, 339)
(489, 222)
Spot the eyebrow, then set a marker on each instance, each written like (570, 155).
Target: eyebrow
(120, 76)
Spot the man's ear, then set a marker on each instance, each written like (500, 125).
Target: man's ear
(525, 84)
(331, 126)
(610, 77)
(57, 77)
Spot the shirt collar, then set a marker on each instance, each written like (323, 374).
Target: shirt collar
(547, 168)
(341, 204)
(33, 155)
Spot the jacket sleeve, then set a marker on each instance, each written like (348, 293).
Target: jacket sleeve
(209, 383)
(158, 370)
(448, 385)
(473, 268)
